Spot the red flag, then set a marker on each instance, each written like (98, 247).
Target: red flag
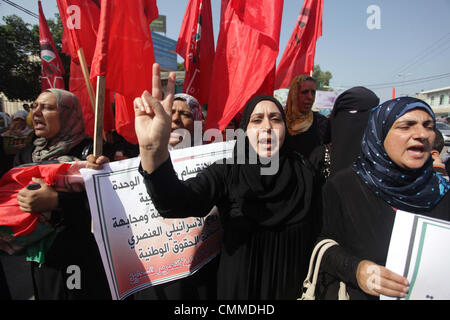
(52, 68)
(298, 57)
(125, 118)
(246, 53)
(223, 8)
(80, 19)
(196, 46)
(393, 93)
(23, 223)
(124, 53)
(77, 86)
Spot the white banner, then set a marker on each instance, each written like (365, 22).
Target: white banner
(139, 248)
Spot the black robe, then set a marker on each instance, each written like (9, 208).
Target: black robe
(361, 223)
(256, 262)
(74, 246)
(317, 135)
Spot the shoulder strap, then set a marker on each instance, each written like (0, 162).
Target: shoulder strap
(309, 285)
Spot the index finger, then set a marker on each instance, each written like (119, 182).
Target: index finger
(156, 82)
(170, 92)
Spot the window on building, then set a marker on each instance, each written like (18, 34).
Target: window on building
(432, 101)
(441, 99)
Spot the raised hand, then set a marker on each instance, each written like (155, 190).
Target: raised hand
(153, 121)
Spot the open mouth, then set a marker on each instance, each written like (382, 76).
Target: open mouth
(416, 151)
(39, 124)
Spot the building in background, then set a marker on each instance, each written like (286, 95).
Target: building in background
(11, 106)
(438, 99)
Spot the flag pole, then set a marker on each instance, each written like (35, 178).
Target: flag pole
(85, 70)
(99, 115)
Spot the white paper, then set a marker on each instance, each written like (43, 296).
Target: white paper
(420, 251)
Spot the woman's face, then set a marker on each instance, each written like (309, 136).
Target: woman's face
(45, 116)
(266, 129)
(306, 96)
(182, 118)
(410, 140)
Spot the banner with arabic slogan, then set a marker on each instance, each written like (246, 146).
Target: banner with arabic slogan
(139, 248)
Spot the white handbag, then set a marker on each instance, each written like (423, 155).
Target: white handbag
(309, 287)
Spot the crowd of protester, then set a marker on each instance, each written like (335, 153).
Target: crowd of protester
(340, 177)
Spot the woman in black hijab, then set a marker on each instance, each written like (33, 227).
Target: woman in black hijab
(348, 120)
(267, 219)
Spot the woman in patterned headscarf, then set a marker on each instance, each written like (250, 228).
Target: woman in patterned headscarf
(185, 111)
(393, 172)
(59, 127)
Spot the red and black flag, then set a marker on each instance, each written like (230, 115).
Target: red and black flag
(298, 57)
(196, 46)
(52, 68)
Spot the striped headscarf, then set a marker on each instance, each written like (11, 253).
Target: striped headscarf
(71, 131)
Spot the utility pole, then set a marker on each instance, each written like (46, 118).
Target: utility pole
(402, 75)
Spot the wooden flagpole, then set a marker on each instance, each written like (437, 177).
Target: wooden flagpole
(85, 70)
(99, 115)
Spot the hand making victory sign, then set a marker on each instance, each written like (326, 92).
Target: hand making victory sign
(153, 118)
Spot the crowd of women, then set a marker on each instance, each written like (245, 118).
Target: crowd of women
(341, 177)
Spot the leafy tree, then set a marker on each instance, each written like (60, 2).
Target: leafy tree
(180, 66)
(20, 64)
(322, 78)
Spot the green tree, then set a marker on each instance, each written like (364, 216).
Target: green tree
(322, 78)
(20, 65)
(180, 66)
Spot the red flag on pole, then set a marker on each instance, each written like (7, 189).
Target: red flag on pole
(196, 46)
(246, 53)
(77, 86)
(52, 68)
(298, 57)
(124, 53)
(80, 19)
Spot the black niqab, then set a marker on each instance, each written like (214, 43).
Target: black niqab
(348, 121)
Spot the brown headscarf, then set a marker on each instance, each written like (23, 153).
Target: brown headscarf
(296, 121)
(71, 131)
